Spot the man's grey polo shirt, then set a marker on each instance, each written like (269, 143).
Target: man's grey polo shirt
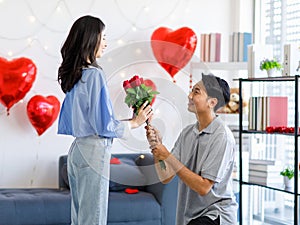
(211, 154)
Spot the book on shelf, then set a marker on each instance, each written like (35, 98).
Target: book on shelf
(291, 55)
(210, 48)
(215, 47)
(277, 107)
(246, 41)
(267, 111)
(240, 46)
(240, 42)
(218, 47)
(230, 52)
(235, 47)
(202, 48)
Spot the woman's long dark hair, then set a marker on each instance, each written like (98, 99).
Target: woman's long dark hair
(80, 46)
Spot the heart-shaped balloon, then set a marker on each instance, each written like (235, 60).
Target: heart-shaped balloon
(173, 49)
(151, 84)
(16, 79)
(42, 112)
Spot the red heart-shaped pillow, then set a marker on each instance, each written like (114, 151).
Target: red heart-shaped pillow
(16, 79)
(42, 112)
(115, 161)
(173, 49)
(131, 190)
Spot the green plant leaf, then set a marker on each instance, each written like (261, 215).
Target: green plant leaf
(131, 91)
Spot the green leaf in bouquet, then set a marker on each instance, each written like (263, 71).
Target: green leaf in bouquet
(131, 91)
(146, 88)
(153, 93)
(128, 100)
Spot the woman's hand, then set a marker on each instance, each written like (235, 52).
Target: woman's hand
(145, 112)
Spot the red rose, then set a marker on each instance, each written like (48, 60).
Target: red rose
(135, 81)
(126, 84)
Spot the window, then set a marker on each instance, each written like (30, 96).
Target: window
(278, 23)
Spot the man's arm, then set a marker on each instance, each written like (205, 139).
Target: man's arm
(173, 166)
(197, 183)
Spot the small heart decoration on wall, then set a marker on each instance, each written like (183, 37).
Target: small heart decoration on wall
(173, 49)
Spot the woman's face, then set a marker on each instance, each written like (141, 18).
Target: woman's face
(102, 46)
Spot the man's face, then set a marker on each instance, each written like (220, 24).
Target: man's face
(198, 99)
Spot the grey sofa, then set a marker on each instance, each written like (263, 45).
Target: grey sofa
(154, 204)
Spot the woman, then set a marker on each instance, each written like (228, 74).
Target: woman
(87, 115)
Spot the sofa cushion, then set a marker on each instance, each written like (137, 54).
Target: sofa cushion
(125, 174)
(64, 174)
(140, 207)
(34, 206)
(146, 164)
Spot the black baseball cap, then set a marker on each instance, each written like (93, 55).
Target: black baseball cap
(218, 88)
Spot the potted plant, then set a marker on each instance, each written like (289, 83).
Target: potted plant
(288, 174)
(270, 65)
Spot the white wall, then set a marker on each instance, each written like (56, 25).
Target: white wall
(36, 29)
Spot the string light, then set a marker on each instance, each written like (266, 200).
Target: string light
(61, 4)
(134, 28)
(138, 51)
(33, 40)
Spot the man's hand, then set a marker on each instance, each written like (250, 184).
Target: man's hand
(153, 136)
(160, 152)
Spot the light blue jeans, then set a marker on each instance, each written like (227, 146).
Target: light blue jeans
(88, 171)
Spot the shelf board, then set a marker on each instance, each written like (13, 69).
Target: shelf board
(269, 79)
(264, 132)
(269, 187)
(219, 65)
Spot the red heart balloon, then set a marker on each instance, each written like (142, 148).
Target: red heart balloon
(16, 79)
(151, 84)
(42, 112)
(173, 49)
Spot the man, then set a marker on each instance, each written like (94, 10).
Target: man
(202, 157)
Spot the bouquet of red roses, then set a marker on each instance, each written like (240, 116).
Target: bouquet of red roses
(138, 91)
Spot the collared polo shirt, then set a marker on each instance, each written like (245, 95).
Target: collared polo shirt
(211, 154)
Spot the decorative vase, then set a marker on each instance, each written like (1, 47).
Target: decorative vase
(272, 72)
(287, 182)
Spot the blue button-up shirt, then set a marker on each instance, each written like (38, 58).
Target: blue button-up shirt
(87, 108)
